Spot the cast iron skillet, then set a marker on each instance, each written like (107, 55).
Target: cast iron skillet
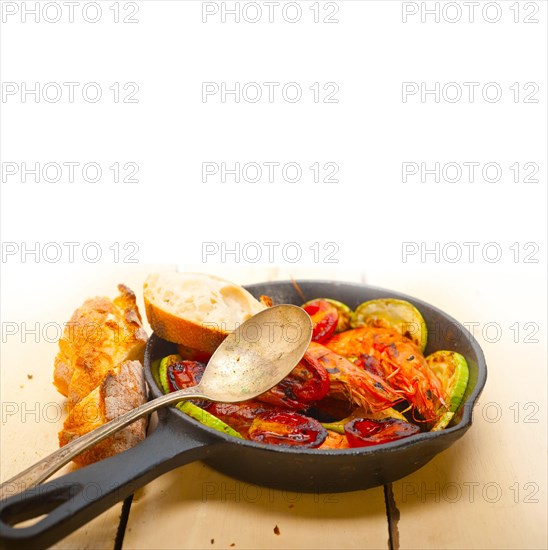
(74, 499)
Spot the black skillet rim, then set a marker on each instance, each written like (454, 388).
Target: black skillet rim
(462, 425)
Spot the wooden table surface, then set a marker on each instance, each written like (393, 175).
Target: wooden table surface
(487, 491)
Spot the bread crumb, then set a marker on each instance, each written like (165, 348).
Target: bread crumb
(276, 530)
(29, 376)
(232, 544)
(212, 541)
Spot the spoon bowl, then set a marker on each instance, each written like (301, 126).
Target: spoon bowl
(257, 355)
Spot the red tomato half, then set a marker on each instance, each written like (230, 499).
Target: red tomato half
(362, 432)
(307, 383)
(185, 374)
(287, 428)
(314, 381)
(325, 318)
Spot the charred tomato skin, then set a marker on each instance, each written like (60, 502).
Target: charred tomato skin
(305, 384)
(325, 318)
(364, 432)
(287, 429)
(185, 374)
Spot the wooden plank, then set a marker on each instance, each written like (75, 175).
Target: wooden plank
(194, 505)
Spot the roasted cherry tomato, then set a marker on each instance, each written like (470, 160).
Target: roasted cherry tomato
(184, 374)
(325, 318)
(363, 432)
(306, 383)
(345, 314)
(175, 373)
(314, 381)
(287, 428)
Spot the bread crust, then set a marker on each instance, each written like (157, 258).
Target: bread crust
(101, 334)
(99, 369)
(122, 389)
(198, 328)
(205, 337)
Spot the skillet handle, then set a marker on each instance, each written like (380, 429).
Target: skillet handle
(72, 500)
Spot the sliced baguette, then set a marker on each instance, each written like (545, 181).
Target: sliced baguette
(122, 390)
(101, 334)
(195, 309)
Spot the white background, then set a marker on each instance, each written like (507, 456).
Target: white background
(169, 132)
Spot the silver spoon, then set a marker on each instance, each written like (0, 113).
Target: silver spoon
(250, 361)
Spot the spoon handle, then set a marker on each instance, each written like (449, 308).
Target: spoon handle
(44, 468)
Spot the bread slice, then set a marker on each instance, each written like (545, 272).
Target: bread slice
(122, 389)
(100, 335)
(196, 310)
